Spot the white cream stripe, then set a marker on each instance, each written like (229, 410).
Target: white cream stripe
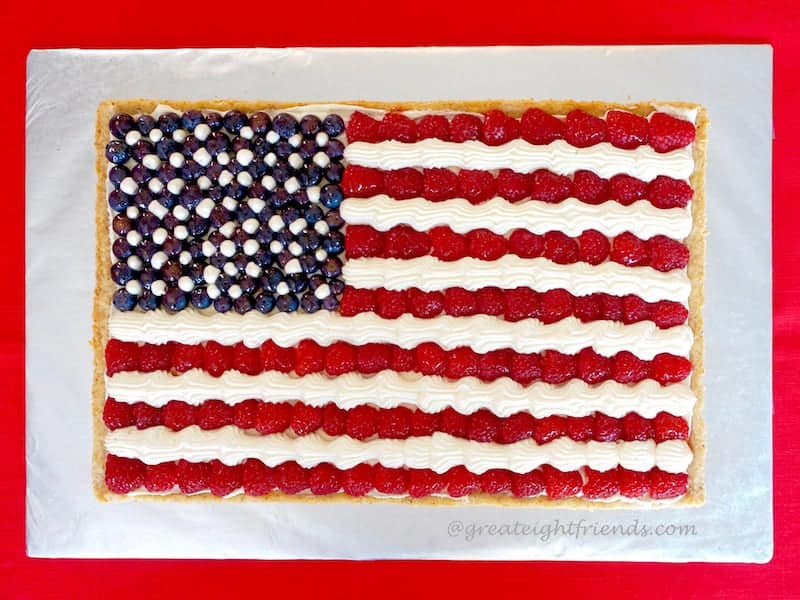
(388, 389)
(439, 452)
(483, 333)
(571, 217)
(428, 273)
(523, 157)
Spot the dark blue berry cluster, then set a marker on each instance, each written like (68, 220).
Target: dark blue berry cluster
(233, 211)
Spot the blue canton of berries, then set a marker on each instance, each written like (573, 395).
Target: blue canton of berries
(236, 212)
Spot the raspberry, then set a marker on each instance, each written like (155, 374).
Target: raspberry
(431, 359)
(244, 413)
(305, 418)
(363, 128)
(636, 428)
(192, 477)
(486, 245)
(213, 414)
(466, 127)
(177, 415)
(582, 129)
(591, 367)
(390, 304)
(588, 308)
(461, 362)
(161, 477)
(484, 426)
(273, 417)
(361, 422)
(424, 482)
(396, 126)
(446, 244)
(459, 302)
(403, 359)
(494, 364)
(123, 475)
(606, 429)
(117, 414)
(513, 186)
(217, 358)
(667, 254)
(356, 300)
(403, 241)
(223, 479)
(560, 248)
(390, 481)
(257, 478)
(539, 127)
(524, 485)
(121, 356)
(309, 357)
(439, 184)
(590, 188)
(517, 427)
(425, 304)
(491, 301)
(495, 481)
(291, 478)
(362, 240)
(334, 420)
(670, 427)
(453, 422)
(665, 192)
(665, 485)
(557, 367)
(433, 126)
(499, 128)
(186, 357)
(668, 314)
(633, 484)
(403, 183)
(610, 307)
(668, 368)
(594, 247)
(525, 244)
(277, 358)
(359, 480)
(525, 368)
(634, 309)
(247, 360)
(580, 429)
(340, 358)
(521, 303)
(371, 358)
(476, 186)
(394, 423)
(629, 250)
(155, 357)
(461, 482)
(560, 484)
(601, 484)
(324, 479)
(626, 189)
(423, 424)
(361, 182)
(555, 305)
(628, 368)
(668, 133)
(145, 415)
(549, 429)
(626, 130)
(550, 187)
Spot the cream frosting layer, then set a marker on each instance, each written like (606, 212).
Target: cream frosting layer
(389, 389)
(483, 333)
(438, 452)
(571, 216)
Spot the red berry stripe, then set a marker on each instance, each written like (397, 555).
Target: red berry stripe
(622, 129)
(479, 186)
(402, 241)
(428, 358)
(125, 475)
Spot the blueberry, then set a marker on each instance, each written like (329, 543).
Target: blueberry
(308, 240)
(285, 125)
(148, 301)
(242, 305)
(197, 226)
(307, 149)
(224, 282)
(316, 280)
(310, 125)
(308, 263)
(200, 298)
(117, 152)
(297, 283)
(337, 286)
(262, 258)
(117, 201)
(257, 170)
(283, 257)
(171, 272)
(191, 119)
(169, 122)
(333, 125)
(145, 124)
(195, 272)
(332, 267)
(222, 304)
(167, 173)
(290, 214)
(141, 149)
(331, 196)
(283, 149)
(120, 124)
(240, 236)
(284, 236)
(214, 121)
(334, 150)
(240, 143)
(218, 260)
(313, 214)
(147, 224)
(147, 277)
(265, 302)
(300, 198)
(240, 261)
(216, 143)
(196, 250)
(310, 175)
(219, 216)
(213, 172)
(334, 219)
(141, 175)
(190, 197)
(281, 172)
(146, 249)
(121, 224)
(259, 122)
(175, 299)
(279, 198)
(330, 303)
(116, 174)
(121, 273)
(216, 238)
(234, 120)
(192, 170)
(236, 190)
(309, 302)
(260, 147)
(244, 212)
(271, 279)
(172, 246)
(168, 201)
(247, 284)
(124, 301)
(235, 168)
(191, 145)
(257, 190)
(287, 303)
(263, 234)
(165, 147)
(334, 243)
(143, 198)
(121, 248)
(334, 173)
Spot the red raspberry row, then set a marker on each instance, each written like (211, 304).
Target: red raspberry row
(622, 129)
(479, 186)
(125, 475)
(428, 358)
(366, 421)
(511, 305)
(592, 247)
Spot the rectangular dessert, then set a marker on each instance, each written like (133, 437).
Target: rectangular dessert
(440, 303)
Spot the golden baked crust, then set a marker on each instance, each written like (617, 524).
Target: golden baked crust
(104, 288)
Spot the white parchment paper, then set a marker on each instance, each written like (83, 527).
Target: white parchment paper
(63, 517)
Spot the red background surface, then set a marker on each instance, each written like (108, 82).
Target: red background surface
(29, 25)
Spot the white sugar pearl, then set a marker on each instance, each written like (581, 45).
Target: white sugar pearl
(230, 203)
(230, 269)
(186, 283)
(271, 159)
(177, 160)
(129, 186)
(322, 291)
(298, 225)
(228, 248)
(202, 157)
(250, 247)
(321, 139)
(295, 160)
(295, 248)
(132, 137)
(175, 186)
(291, 185)
(244, 178)
(244, 157)
(250, 225)
(272, 137)
(256, 204)
(275, 223)
(321, 227)
(134, 238)
(157, 209)
(210, 273)
(160, 235)
(185, 257)
(293, 267)
(130, 163)
(282, 288)
(313, 193)
(135, 263)
(132, 212)
(235, 291)
(180, 135)
(253, 270)
(247, 132)
(158, 287)
(321, 159)
(151, 161)
(213, 292)
(320, 254)
(202, 131)
(205, 207)
(223, 158)
(225, 178)
(269, 183)
(181, 212)
(275, 247)
(227, 229)
(203, 182)
(156, 135)
(181, 232)
(295, 140)
(159, 259)
(155, 185)
(208, 248)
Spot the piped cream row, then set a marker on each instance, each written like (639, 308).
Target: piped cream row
(438, 452)
(482, 333)
(389, 389)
